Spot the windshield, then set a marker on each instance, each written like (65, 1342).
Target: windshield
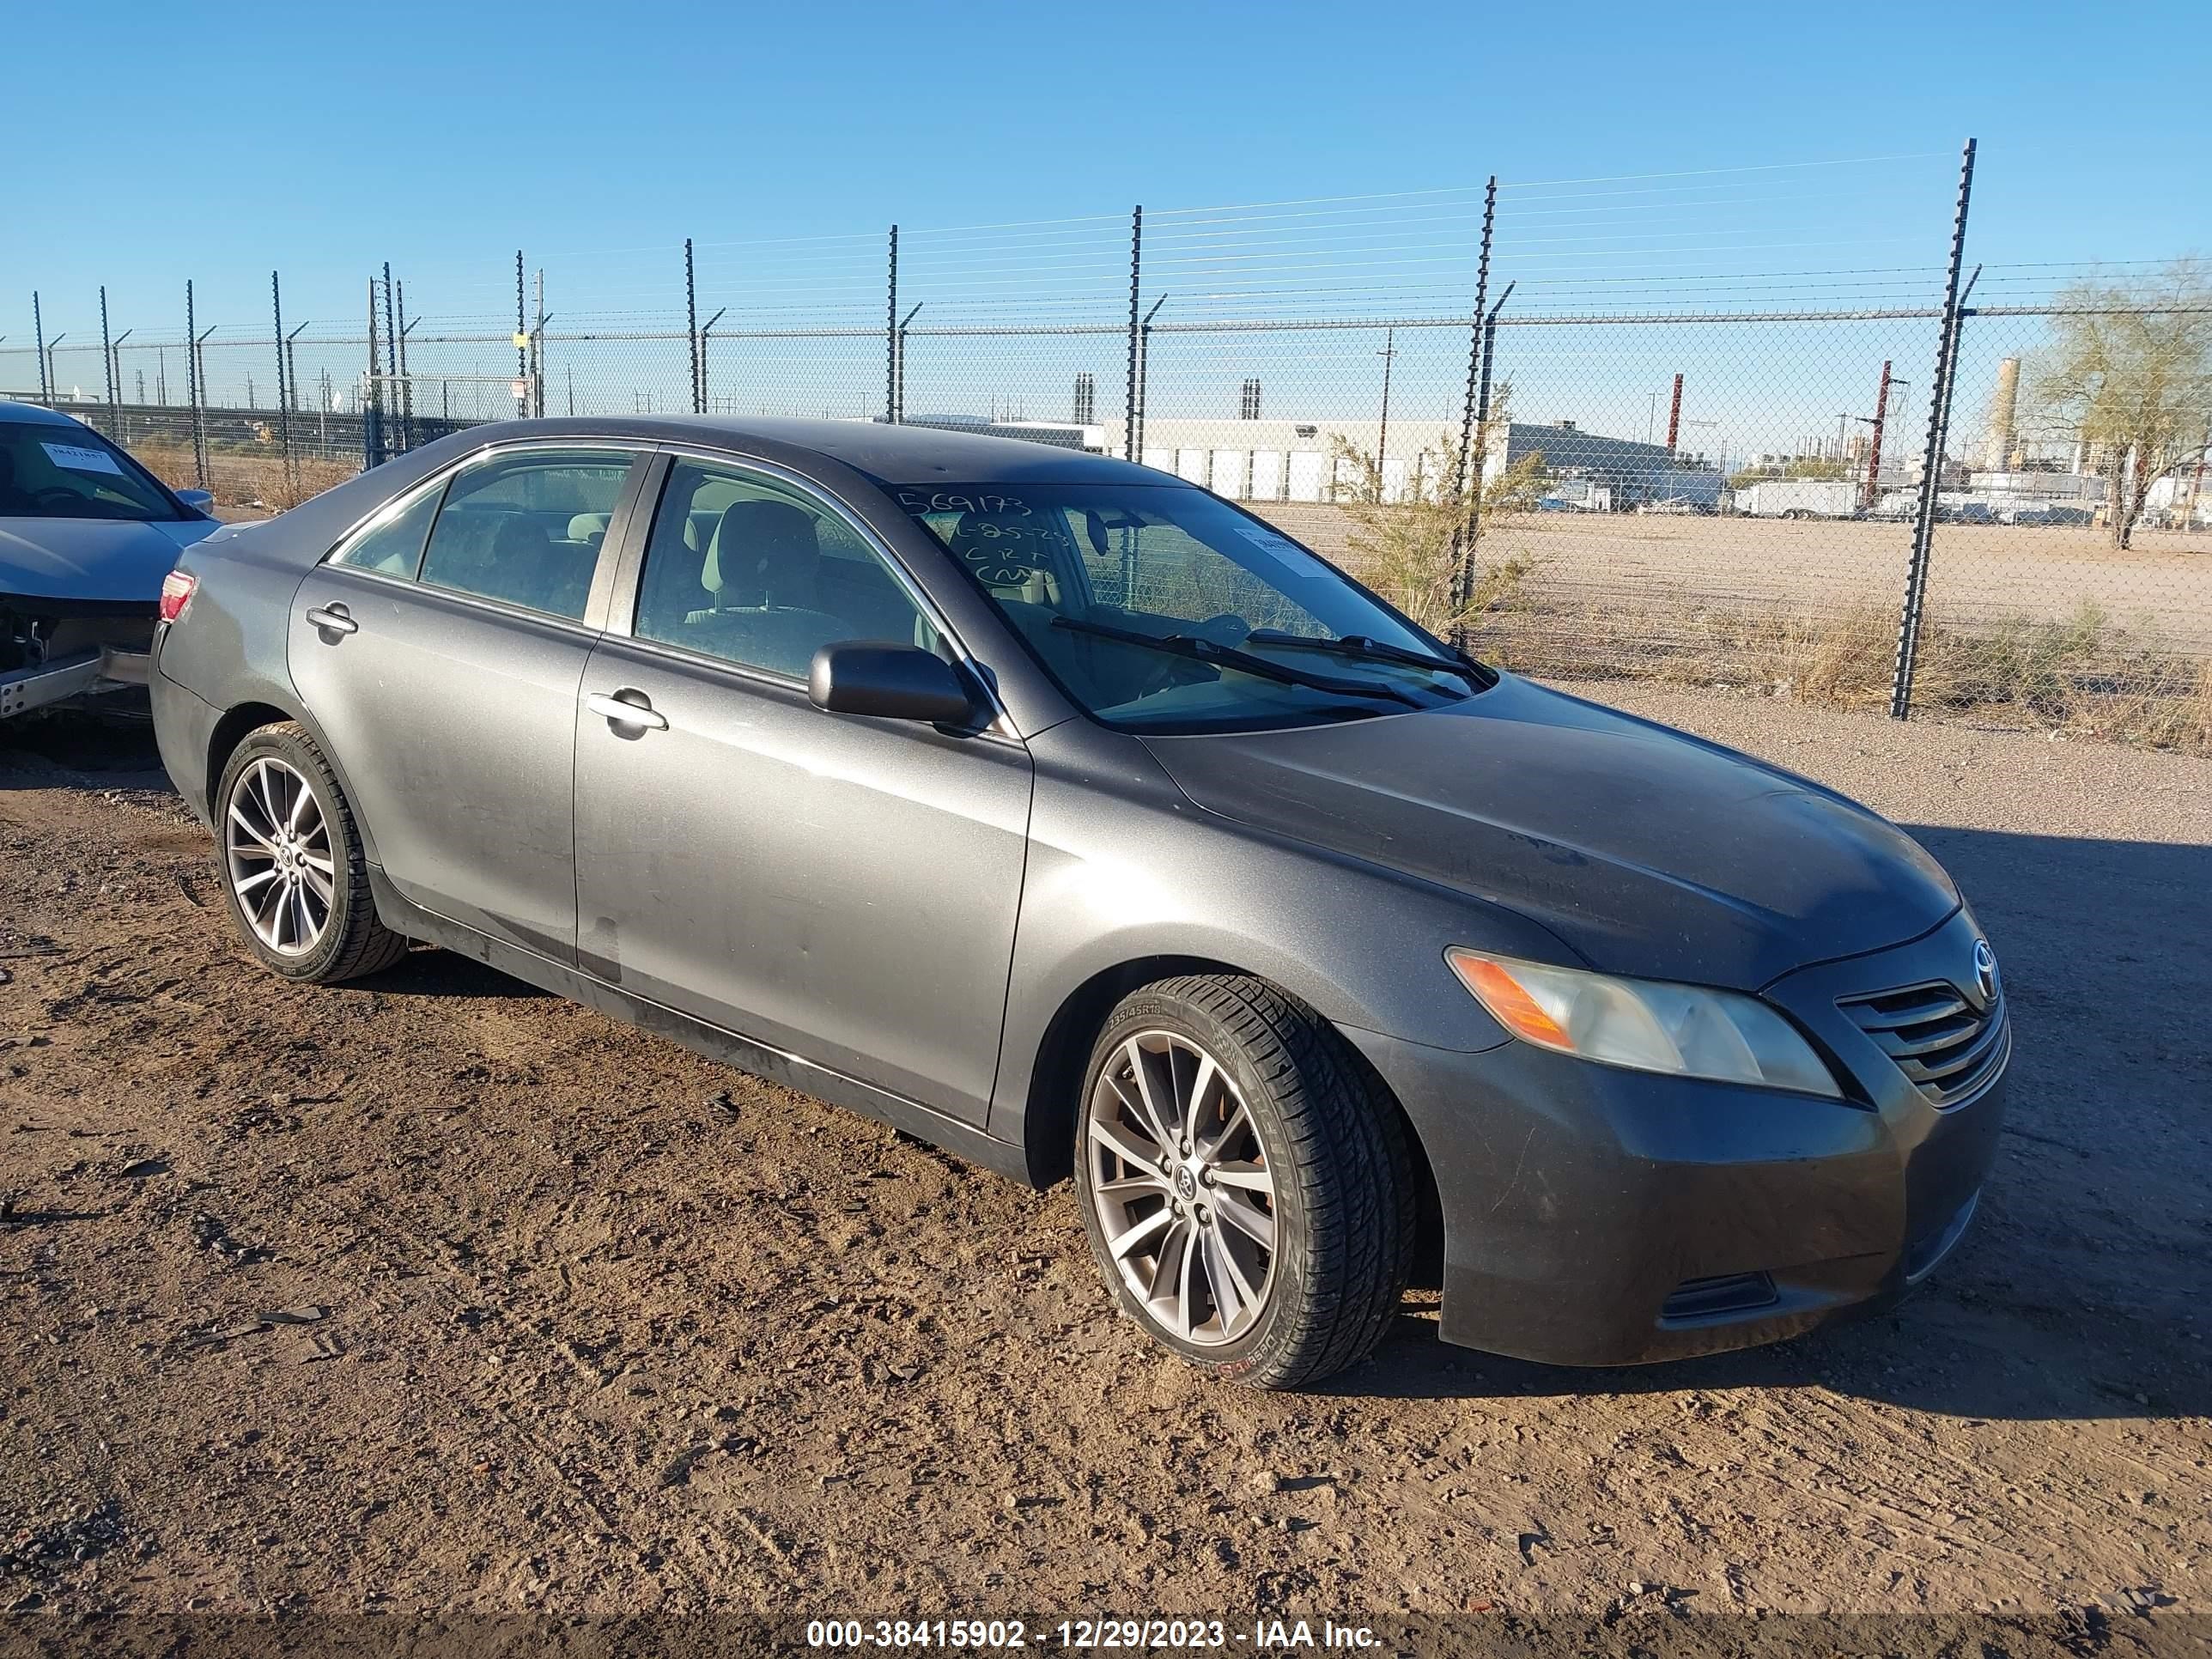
(48, 471)
(1162, 609)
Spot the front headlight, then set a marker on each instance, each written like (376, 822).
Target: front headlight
(1644, 1025)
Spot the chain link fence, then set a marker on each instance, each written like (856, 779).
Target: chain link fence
(1546, 418)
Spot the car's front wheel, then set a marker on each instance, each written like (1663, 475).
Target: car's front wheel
(291, 862)
(1245, 1187)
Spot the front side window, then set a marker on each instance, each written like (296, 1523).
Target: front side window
(52, 470)
(526, 528)
(745, 569)
(1161, 608)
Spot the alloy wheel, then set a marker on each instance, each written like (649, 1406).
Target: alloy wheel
(1183, 1192)
(277, 851)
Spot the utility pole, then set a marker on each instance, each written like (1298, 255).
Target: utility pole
(1873, 440)
(1674, 416)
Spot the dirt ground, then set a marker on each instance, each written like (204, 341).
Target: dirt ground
(2161, 587)
(434, 1293)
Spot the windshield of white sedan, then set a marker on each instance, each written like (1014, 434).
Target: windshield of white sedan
(1160, 607)
(48, 471)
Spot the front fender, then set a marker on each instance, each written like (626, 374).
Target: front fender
(1123, 869)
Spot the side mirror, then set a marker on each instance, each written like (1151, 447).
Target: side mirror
(891, 682)
(200, 500)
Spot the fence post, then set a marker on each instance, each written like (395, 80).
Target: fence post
(521, 342)
(393, 436)
(1144, 367)
(404, 390)
(1471, 524)
(1474, 365)
(1931, 464)
(196, 391)
(38, 343)
(691, 328)
(115, 352)
(292, 366)
(905, 322)
(107, 364)
(371, 412)
(1136, 273)
(284, 382)
(706, 333)
(891, 340)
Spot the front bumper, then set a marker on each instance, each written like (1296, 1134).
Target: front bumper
(1596, 1215)
(81, 674)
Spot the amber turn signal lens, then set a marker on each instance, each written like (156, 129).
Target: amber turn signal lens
(1503, 995)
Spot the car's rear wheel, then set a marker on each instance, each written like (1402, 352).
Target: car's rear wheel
(291, 862)
(1246, 1188)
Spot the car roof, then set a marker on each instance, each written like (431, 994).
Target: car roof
(35, 413)
(888, 454)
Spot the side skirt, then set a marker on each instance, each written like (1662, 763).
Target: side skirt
(964, 1140)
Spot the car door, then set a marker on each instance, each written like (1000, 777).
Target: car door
(440, 649)
(841, 888)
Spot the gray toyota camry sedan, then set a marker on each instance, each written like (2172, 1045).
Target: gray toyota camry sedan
(1070, 818)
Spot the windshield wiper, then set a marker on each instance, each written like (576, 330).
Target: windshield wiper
(1360, 647)
(1222, 656)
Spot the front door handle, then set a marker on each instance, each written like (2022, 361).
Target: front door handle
(332, 619)
(618, 710)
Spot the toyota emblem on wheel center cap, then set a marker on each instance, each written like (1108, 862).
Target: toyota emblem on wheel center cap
(1985, 970)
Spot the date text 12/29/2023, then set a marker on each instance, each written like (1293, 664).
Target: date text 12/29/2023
(1089, 1635)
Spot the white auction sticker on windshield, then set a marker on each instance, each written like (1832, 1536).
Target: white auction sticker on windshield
(78, 459)
(1293, 558)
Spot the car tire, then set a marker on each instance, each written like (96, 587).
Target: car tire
(1276, 1130)
(294, 878)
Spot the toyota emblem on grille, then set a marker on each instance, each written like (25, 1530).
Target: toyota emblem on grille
(1985, 970)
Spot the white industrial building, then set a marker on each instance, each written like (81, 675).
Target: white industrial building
(1299, 460)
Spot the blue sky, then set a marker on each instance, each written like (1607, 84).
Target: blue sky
(156, 141)
(1653, 155)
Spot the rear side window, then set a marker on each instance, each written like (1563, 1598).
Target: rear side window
(393, 541)
(526, 528)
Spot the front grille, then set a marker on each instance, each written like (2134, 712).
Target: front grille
(1941, 1042)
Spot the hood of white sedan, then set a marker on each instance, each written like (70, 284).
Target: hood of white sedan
(102, 560)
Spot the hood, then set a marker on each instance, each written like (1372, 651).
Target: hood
(1650, 852)
(98, 560)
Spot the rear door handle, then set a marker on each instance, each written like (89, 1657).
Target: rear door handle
(620, 711)
(332, 619)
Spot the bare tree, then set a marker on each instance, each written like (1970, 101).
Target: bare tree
(2128, 375)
